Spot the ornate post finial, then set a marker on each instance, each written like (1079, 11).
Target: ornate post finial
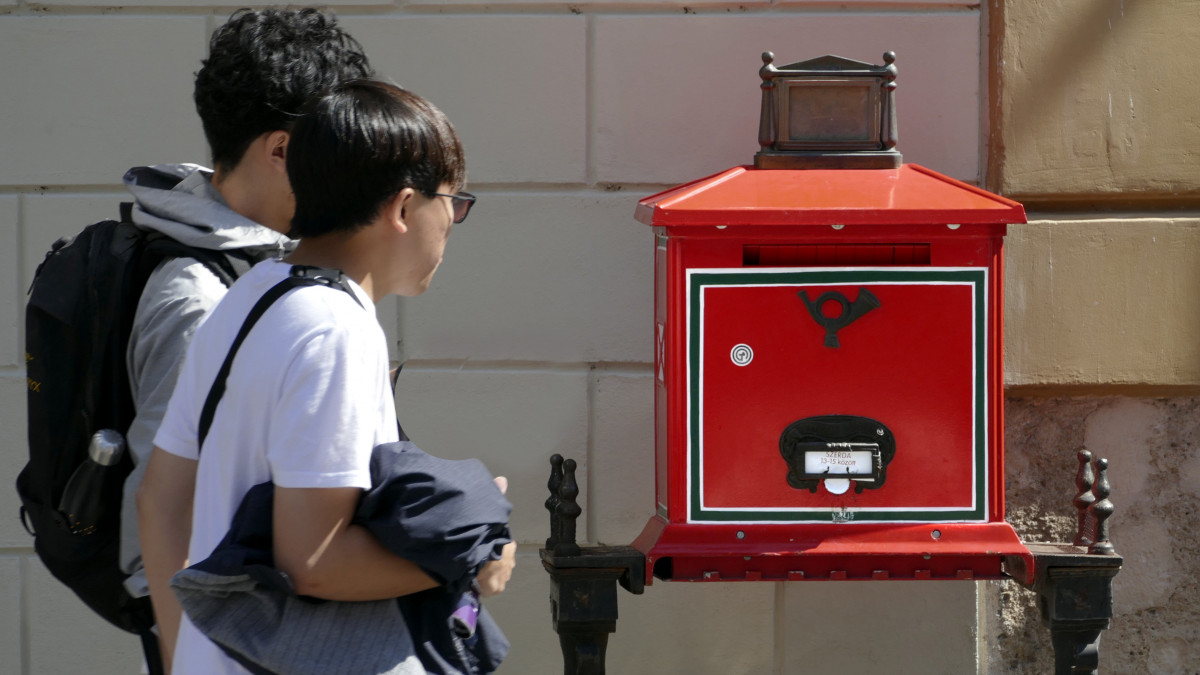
(554, 484)
(1084, 498)
(766, 119)
(1101, 509)
(567, 511)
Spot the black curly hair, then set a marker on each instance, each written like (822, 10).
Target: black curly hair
(359, 145)
(263, 66)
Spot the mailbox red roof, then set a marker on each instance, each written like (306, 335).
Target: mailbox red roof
(744, 195)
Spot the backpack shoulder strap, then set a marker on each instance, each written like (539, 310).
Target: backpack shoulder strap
(300, 276)
(227, 266)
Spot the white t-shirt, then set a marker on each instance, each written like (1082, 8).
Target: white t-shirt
(306, 400)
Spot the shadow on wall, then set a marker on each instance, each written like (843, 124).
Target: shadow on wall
(1050, 75)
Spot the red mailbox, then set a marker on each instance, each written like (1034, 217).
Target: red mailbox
(829, 375)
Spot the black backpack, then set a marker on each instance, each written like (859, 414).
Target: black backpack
(77, 325)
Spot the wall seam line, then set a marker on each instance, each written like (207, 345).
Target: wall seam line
(589, 85)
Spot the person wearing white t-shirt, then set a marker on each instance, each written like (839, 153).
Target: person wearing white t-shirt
(376, 172)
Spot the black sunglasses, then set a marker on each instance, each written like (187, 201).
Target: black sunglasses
(462, 204)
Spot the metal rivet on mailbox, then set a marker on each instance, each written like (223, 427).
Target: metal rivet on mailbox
(741, 535)
(936, 534)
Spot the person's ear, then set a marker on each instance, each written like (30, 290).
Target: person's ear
(397, 209)
(276, 147)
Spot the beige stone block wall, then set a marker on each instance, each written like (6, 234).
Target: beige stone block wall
(1095, 302)
(1092, 110)
(672, 102)
(11, 590)
(64, 636)
(901, 627)
(539, 277)
(1095, 99)
(13, 536)
(12, 303)
(512, 419)
(88, 96)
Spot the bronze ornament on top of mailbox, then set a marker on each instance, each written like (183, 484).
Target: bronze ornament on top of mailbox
(830, 113)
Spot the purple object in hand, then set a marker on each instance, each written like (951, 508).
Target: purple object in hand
(466, 614)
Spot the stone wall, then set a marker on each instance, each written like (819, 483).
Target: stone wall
(1153, 446)
(1092, 102)
(1092, 120)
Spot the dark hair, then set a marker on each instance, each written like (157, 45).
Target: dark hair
(361, 144)
(263, 66)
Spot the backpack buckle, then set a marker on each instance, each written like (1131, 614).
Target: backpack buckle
(321, 275)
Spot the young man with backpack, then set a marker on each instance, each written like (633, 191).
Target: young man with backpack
(306, 397)
(263, 66)
(193, 231)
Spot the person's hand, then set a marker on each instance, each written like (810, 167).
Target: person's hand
(495, 574)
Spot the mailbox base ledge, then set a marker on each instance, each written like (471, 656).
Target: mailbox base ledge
(865, 551)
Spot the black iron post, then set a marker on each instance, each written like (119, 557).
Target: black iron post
(583, 579)
(1073, 581)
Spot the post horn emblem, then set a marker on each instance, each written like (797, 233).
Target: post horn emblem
(851, 311)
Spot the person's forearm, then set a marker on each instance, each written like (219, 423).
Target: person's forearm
(328, 558)
(162, 559)
(353, 565)
(164, 504)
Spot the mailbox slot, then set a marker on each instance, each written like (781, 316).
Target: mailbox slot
(827, 255)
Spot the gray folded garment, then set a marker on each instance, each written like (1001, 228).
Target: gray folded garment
(269, 631)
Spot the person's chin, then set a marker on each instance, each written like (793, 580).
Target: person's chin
(423, 285)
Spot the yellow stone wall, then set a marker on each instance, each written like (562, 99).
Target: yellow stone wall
(1094, 118)
(1103, 301)
(1095, 126)
(1095, 100)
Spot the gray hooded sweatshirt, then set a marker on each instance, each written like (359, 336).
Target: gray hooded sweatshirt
(179, 201)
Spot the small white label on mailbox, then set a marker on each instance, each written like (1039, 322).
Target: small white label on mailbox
(838, 462)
